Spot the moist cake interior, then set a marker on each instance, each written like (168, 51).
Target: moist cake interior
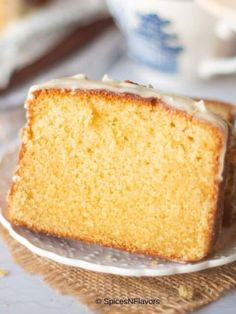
(119, 170)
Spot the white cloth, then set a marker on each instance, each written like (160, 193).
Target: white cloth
(94, 60)
(28, 38)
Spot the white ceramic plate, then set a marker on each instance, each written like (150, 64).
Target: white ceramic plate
(99, 258)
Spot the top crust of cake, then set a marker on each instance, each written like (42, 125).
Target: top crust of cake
(196, 108)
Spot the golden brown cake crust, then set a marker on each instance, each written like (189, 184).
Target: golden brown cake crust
(215, 224)
(228, 112)
(224, 109)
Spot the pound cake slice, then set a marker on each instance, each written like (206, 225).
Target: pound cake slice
(121, 165)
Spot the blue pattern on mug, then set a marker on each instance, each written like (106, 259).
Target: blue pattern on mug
(153, 44)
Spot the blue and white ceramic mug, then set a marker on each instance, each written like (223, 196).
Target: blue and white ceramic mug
(175, 36)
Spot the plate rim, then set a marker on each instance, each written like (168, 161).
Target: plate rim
(177, 268)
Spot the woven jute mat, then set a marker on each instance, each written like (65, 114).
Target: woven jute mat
(175, 294)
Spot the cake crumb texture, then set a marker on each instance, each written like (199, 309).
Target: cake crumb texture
(121, 171)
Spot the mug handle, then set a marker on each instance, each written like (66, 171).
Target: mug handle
(214, 66)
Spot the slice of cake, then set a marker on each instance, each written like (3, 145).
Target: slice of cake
(121, 165)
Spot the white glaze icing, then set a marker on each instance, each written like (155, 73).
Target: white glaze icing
(182, 103)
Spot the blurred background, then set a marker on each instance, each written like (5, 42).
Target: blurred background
(184, 46)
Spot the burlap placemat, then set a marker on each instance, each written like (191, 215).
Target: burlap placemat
(175, 294)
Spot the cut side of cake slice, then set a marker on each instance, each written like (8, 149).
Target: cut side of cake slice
(121, 165)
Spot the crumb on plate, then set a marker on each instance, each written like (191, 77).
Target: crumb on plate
(3, 273)
(186, 292)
